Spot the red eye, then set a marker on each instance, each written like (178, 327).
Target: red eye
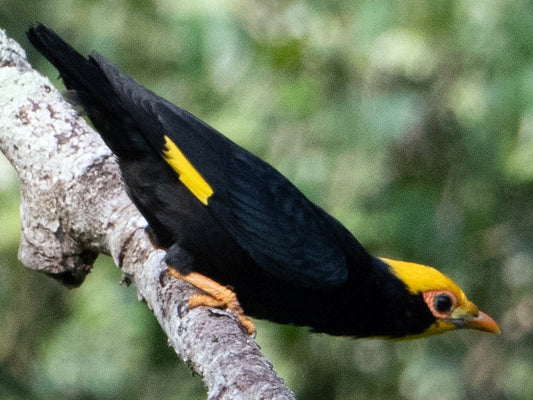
(441, 303)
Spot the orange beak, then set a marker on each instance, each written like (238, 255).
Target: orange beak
(481, 322)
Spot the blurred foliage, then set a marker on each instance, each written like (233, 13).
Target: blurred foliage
(411, 122)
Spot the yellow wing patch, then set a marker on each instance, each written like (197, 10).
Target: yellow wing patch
(188, 175)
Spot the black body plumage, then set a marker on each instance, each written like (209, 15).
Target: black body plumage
(286, 258)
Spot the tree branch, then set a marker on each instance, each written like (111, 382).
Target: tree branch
(73, 206)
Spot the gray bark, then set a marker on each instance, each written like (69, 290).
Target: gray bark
(73, 206)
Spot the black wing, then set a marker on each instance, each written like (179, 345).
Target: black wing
(285, 233)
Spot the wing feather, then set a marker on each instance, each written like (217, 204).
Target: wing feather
(287, 235)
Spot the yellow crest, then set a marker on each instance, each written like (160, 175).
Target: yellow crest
(419, 278)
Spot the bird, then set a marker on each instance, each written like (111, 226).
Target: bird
(239, 231)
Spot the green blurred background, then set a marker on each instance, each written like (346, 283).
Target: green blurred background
(410, 121)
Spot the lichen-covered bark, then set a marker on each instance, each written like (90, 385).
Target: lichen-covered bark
(73, 206)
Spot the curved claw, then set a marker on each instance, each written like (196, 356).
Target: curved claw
(183, 308)
(163, 275)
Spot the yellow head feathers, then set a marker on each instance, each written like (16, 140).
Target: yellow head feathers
(444, 299)
(420, 278)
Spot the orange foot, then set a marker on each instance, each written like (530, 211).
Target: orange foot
(216, 295)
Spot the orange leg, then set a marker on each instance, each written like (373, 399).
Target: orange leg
(217, 296)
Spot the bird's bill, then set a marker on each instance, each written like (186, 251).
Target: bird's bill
(469, 316)
(481, 322)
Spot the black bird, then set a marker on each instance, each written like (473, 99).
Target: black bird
(228, 219)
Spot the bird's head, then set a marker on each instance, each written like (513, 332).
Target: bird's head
(444, 299)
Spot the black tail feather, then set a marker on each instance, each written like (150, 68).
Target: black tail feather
(75, 70)
(92, 89)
